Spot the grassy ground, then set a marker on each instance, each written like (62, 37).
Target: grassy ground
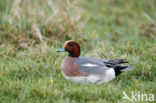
(32, 31)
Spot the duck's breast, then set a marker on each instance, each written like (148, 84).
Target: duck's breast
(69, 69)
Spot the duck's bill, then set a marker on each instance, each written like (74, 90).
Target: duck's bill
(61, 50)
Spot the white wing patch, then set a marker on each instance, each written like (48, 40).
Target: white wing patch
(89, 65)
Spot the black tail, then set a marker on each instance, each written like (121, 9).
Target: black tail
(118, 61)
(116, 65)
(112, 63)
(120, 68)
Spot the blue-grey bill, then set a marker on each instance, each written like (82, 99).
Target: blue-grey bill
(61, 50)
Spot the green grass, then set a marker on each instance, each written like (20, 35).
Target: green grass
(114, 29)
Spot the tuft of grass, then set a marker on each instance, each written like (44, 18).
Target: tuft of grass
(47, 20)
(32, 30)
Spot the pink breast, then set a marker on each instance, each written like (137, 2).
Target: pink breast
(69, 69)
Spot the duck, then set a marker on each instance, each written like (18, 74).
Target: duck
(88, 69)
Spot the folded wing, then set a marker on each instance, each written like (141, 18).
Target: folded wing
(95, 66)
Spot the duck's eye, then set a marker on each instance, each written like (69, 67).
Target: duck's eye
(70, 44)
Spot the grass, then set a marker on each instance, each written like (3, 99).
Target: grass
(32, 31)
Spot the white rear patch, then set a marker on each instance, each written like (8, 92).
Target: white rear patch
(109, 75)
(89, 65)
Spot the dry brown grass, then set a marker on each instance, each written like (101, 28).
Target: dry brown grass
(58, 19)
(29, 23)
(148, 30)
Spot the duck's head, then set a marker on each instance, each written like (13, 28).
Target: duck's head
(72, 48)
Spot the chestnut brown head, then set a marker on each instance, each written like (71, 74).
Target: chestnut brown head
(72, 48)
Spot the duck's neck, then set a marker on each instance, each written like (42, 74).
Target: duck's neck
(74, 54)
(71, 54)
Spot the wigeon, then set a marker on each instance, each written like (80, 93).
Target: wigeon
(87, 69)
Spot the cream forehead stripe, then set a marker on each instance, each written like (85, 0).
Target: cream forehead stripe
(68, 42)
